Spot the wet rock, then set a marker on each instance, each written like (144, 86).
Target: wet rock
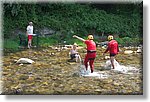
(128, 52)
(98, 90)
(25, 60)
(107, 81)
(21, 64)
(116, 84)
(139, 50)
(23, 77)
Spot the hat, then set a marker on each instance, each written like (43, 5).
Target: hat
(30, 23)
(110, 37)
(90, 37)
(75, 44)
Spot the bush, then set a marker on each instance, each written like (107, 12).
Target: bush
(126, 41)
(74, 18)
(10, 45)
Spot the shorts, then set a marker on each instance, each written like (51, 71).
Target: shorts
(73, 56)
(112, 54)
(29, 37)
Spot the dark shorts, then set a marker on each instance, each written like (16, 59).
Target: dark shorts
(112, 54)
(73, 56)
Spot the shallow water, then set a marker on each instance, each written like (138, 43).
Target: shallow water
(52, 73)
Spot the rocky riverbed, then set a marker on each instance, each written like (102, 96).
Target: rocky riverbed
(53, 74)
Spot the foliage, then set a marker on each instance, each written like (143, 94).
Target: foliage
(127, 41)
(10, 45)
(74, 18)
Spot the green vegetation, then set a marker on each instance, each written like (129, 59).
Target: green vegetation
(10, 45)
(126, 41)
(123, 20)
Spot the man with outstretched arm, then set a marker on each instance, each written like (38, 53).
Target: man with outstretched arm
(91, 51)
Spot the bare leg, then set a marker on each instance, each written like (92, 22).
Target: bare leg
(29, 43)
(76, 58)
(112, 61)
(79, 58)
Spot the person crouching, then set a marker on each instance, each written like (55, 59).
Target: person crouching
(74, 53)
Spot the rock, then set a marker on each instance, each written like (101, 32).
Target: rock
(23, 77)
(25, 61)
(21, 64)
(45, 83)
(107, 81)
(98, 90)
(68, 46)
(128, 51)
(139, 50)
(116, 84)
(107, 57)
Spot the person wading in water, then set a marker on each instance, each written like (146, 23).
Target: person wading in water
(91, 51)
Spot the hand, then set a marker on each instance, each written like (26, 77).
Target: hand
(74, 36)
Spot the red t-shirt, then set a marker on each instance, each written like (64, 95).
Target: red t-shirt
(90, 45)
(113, 47)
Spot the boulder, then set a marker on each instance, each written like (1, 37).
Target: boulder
(25, 61)
(139, 50)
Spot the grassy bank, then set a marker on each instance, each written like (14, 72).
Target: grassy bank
(12, 45)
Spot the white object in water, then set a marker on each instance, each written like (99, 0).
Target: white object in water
(25, 60)
(121, 68)
(128, 51)
(88, 73)
(83, 70)
(118, 67)
(109, 66)
(96, 74)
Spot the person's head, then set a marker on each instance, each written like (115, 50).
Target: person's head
(75, 45)
(90, 37)
(110, 37)
(30, 23)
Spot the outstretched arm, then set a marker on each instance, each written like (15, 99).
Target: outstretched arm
(79, 38)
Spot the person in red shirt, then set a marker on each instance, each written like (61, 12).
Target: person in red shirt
(91, 51)
(113, 49)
